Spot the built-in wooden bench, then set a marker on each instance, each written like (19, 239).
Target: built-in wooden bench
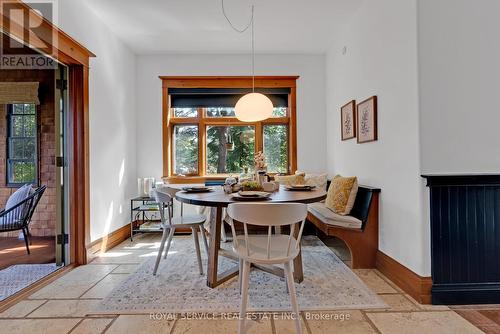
(359, 230)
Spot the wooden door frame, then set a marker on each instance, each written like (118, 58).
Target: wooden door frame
(76, 57)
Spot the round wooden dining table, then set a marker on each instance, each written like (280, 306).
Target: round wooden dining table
(218, 199)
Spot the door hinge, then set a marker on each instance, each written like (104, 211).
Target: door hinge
(62, 239)
(60, 162)
(61, 84)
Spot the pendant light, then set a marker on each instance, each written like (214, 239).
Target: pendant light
(251, 107)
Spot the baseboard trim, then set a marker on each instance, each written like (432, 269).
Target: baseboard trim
(466, 293)
(107, 242)
(416, 286)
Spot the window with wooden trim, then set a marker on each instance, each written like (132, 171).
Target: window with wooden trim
(203, 138)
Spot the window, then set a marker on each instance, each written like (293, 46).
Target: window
(276, 147)
(220, 112)
(22, 144)
(230, 149)
(185, 112)
(203, 138)
(186, 149)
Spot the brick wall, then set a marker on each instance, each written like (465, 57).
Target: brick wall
(44, 218)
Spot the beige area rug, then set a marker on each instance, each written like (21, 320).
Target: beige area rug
(177, 288)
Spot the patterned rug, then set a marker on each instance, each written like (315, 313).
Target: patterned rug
(177, 288)
(20, 276)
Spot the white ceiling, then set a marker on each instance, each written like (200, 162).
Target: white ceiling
(189, 26)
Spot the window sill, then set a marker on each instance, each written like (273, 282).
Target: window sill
(193, 179)
(200, 179)
(19, 185)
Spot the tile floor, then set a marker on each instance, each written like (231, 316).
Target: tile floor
(62, 306)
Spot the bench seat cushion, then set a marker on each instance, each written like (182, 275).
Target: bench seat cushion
(331, 218)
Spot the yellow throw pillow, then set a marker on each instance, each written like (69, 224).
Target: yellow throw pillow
(342, 194)
(289, 180)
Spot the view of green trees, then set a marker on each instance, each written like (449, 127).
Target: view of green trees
(186, 149)
(22, 143)
(276, 148)
(230, 149)
(23, 172)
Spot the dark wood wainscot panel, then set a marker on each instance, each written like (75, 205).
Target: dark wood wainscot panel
(465, 238)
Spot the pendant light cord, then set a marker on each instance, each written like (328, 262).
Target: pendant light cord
(249, 25)
(253, 55)
(232, 25)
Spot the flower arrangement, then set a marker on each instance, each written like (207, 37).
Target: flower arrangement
(250, 186)
(260, 161)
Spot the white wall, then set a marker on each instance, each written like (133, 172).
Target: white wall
(112, 118)
(310, 100)
(459, 54)
(381, 59)
(437, 111)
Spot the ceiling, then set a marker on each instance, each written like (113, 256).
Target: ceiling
(198, 26)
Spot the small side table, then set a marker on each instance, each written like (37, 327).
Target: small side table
(139, 209)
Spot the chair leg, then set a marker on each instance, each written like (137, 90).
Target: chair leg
(244, 297)
(223, 235)
(204, 237)
(29, 235)
(240, 275)
(160, 251)
(197, 247)
(169, 241)
(25, 235)
(293, 296)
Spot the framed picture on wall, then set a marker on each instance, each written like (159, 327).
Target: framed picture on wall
(367, 120)
(348, 120)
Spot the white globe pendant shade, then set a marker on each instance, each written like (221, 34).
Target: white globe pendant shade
(253, 107)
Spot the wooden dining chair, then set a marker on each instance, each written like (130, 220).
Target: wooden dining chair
(164, 197)
(267, 249)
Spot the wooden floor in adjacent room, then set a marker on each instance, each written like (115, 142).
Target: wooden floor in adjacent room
(485, 317)
(13, 251)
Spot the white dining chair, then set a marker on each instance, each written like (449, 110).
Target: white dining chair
(164, 197)
(210, 213)
(267, 249)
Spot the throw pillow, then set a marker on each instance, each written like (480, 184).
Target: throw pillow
(318, 180)
(289, 180)
(18, 196)
(342, 194)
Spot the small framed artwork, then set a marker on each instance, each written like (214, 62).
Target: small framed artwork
(367, 120)
(348, 120)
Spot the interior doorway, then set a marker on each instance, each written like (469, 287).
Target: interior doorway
(34, 237)
(71, 150)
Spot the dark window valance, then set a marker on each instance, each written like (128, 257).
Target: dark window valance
(222, 97)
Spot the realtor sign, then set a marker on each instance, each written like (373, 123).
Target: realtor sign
(37, 51)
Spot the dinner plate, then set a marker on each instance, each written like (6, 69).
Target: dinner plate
(299, 187)
(196, 189)
(249, 193)
(259, 197)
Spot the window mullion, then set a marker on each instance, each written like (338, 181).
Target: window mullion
(259, 137)
(202, 140)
